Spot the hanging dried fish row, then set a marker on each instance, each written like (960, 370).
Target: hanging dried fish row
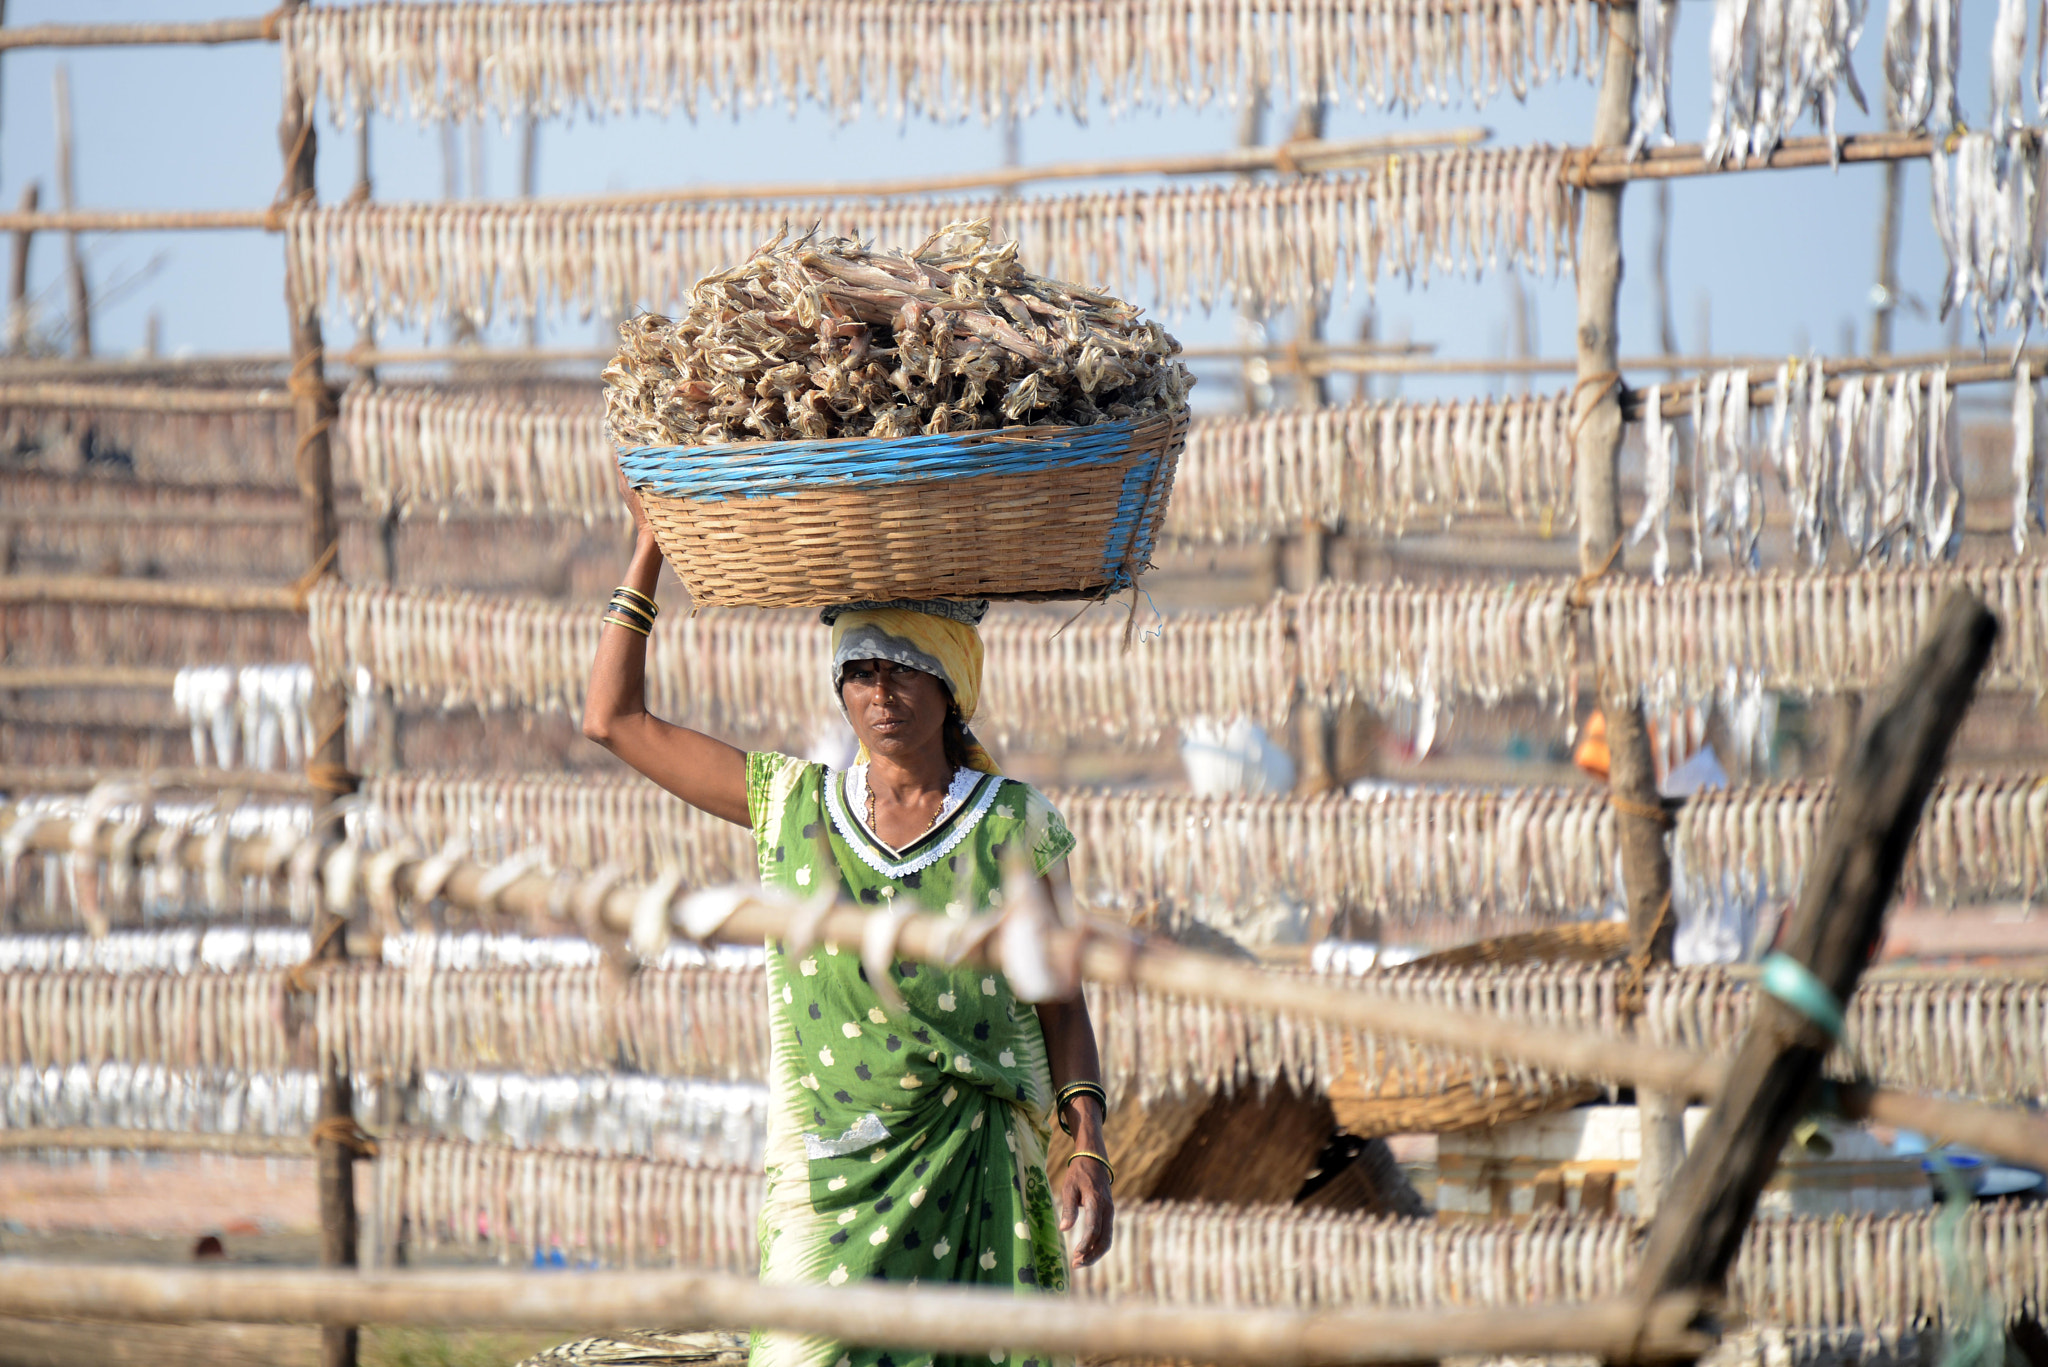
(693, 1120)
(1382, 467)
(764, 673)
(151, 637)
(1984, 1037)
(898, 58)
(623, 1211)
(1250, 245)
(1770, 64)
(1878, 1274)
(1988, 212)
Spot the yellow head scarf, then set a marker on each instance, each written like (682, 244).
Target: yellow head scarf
(948, 647)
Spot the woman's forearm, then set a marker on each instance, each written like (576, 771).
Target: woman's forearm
(1071, 1055)
(701, 770)
(618, 677)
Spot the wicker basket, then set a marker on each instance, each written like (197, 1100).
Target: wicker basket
(1376, 1097)
(1021, 512)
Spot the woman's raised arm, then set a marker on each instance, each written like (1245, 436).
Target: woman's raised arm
(701, 770)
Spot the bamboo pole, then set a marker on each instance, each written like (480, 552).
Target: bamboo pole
(327, 708)
(17, 285)
(1297, 156)
(142, 398)
(148, 593)
(74, 263)
(140, 220)
(158, 1141)
(1106, 954)
(260, 29)
(1610, 165)
(21, 778)
(944, 1319)
(84, 676)
(1639, 817)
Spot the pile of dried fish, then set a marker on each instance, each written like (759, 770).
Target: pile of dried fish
(1770, 64)
(1255, 246)
(1988, 211)
(821, 337)
(941, 59)
(621, 1211)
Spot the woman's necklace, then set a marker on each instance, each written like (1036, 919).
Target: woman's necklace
(937, 812)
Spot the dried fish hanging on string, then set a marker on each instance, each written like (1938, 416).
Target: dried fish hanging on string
(1250, 245)
(1922, 42)
(940, 59)
(1770, 63)
(1698, 639)
(691, 1120)
(192, 449)
(1879, 1275)
(1871, 465)
(1988, 212)
(147, 637)
(476, 449)
(621, 1211)
(1378, 468)
(253, 715)
(183, 949)
(1381, 467)
(764, 674)
(147, 1096)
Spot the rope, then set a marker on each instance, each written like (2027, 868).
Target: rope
(1630, 996)
(1605, 380)
(297, 976)
(1584, 583)
(343, 1130)
(1641, 810)
(302, 588)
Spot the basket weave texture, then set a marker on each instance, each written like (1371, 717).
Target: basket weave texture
(1021, 512)
(1376, 1097)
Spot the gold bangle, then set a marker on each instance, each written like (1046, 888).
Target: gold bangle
(1107, 1166)
(652, 606)
(630, 626)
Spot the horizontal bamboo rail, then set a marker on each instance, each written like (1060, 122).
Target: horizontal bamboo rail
(144, 516)
(158, 1141)
(142, 398)
(33, 677)
(935, 1318)
(1300, 156)
(1763, 379)
(140, 220)
(148, 593)
(262, 29)
(22, 778)
(1613, 167)
(1112, 955)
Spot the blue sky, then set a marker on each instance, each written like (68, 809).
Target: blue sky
(1786, 259)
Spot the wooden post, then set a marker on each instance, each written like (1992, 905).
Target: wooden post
(1631, 777)
(17, 284)
(327, 767)
(1833, 932)
(74, 264)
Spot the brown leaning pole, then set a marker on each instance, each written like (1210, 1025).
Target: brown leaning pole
(1833, 932)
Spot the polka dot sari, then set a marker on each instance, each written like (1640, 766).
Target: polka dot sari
(905, 1143)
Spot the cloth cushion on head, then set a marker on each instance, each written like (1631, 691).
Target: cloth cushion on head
(943, 646)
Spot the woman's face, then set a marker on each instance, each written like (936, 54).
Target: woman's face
(896, 711)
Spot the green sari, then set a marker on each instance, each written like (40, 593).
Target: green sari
(904, 1145)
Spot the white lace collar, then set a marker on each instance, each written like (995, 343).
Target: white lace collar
(847, 802)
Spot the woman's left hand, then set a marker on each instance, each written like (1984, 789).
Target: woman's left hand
(1087, 1212)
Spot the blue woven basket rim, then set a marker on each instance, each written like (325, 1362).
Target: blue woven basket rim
(1047, 434)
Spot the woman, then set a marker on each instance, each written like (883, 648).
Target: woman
(906, 1142)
